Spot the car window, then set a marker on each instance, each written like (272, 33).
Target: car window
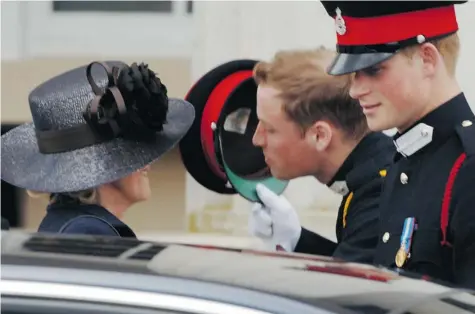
(121, 297)
(16, 305)
(28, 297)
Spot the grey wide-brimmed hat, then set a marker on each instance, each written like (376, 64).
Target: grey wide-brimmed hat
(93, 125)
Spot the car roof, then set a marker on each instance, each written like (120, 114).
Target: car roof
(305, 277)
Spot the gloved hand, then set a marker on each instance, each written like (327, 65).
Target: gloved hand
(275, 221)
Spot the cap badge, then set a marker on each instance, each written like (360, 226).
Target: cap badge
(340, 23)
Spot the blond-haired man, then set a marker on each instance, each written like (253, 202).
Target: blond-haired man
(310, 126)
(404, 78)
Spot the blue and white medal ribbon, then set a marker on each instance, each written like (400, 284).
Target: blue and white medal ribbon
(406, 240)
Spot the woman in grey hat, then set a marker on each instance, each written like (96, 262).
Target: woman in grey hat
(93, 137)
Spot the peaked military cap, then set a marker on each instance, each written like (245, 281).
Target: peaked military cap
(217, 151)
(370, 32)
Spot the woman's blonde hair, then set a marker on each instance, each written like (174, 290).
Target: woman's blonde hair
(89, 196)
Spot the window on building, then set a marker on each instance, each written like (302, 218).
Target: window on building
(189, 6)
(113, 6)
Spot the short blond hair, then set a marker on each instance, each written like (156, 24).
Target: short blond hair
(309, 93)
(89, 196)
(448, 47)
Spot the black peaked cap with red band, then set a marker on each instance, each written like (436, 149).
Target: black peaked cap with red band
(209, 95)
(370, 32)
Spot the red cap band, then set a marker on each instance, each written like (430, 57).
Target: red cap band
(397, 27)
(216, 101)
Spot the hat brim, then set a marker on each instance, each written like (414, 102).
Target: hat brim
(25, 167)
(191, 149)
(244, 165)
(345, 63)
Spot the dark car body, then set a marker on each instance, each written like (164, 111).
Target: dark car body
(54, 274)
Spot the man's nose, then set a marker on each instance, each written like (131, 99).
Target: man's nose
(257, 138)
(358, 88)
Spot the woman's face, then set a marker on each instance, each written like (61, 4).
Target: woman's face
(136, 186)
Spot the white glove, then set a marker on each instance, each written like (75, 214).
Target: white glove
(275, 221)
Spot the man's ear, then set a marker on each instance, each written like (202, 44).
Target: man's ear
(319, 135)
(430, 58)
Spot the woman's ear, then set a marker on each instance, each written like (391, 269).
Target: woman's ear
(319, 135)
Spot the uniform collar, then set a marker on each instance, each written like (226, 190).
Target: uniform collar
(435, 128)
(357, 168)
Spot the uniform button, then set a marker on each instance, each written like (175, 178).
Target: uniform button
(466, 123)
(420, 39)
(404, 178)
(386, 237)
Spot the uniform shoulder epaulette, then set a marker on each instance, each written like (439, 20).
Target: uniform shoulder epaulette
(466, 134)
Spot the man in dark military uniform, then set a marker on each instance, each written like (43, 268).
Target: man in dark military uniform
(403, 56)
(308, 125)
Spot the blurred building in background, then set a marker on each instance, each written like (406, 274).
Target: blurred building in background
(181, 40)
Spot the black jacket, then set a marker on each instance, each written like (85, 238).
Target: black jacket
(358, 215)
(440, 175)
(74, 218)
(5, 224)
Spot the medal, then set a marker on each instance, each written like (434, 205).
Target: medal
(406, 240)
(401, 257)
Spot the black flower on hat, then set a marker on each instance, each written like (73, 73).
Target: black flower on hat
(133, 106)
(145, 97)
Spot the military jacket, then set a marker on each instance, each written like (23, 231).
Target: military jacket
(359, 180)
(428, 203)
